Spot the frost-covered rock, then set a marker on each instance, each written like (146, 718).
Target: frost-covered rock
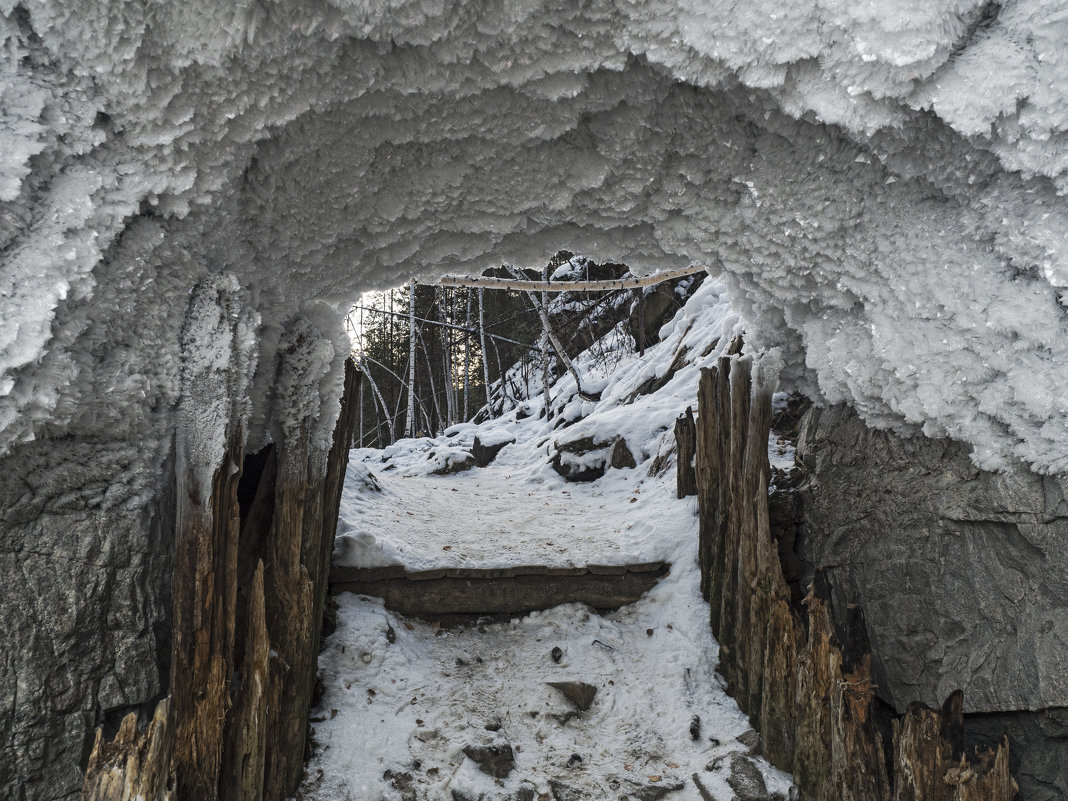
(961, 574)
(882, 183)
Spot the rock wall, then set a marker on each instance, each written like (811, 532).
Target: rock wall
(962, 575)
(86, 610)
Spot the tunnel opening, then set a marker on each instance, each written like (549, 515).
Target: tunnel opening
(883, 191)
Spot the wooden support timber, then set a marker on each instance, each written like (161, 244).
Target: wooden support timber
(135, 766)
(213, 737)
(686, 438)
(485, 282)
(804, 675)
(307, 494)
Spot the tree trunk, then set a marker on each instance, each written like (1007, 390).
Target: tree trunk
(467, 361)
(409, 425)
(485, 355)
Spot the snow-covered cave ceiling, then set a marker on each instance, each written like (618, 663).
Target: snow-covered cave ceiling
(880, 181)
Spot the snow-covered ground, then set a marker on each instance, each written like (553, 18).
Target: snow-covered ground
(404, 698)
(494, 518)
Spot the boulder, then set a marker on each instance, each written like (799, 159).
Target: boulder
(962, 574)
(621, 455)
(496, 759)
(455, 463)
(745, 779)
(587, 459)
(578, 693)
(484, 454)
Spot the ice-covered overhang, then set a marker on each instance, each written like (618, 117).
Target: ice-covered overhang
(882, 182)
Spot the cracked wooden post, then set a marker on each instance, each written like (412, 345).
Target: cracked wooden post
(713, 448)
(740, 383)
(242, 778)
(807, 681)
(209, 441)
(754, 536)
(307, 494)
(135, 766)
(686, 441)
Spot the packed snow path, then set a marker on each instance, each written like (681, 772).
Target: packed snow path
(404, 698)
(487, 518)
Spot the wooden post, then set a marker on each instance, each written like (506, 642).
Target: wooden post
(307, 494)
(685, 439)
(243, 770)
(135, 766)
(207, 528)
(807, 683)
(740, 382)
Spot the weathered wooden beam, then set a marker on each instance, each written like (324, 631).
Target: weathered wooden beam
(135, 766)
(609, 588)
(705, 478)
(807, 682)
(927, 743)
(750, 622)
(987, 778)
(307, 492)
(716, 443)
(740, 383)
(568, 286)
(859, 752)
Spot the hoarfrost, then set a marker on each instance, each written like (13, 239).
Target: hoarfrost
(883, 184)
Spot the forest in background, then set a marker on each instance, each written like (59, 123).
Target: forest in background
(466, 338)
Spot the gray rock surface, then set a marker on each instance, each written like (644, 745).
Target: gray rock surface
(962, 576)
(84, 610)
(495, 759)
(578, 693)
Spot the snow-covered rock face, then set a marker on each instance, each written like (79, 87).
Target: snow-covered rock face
(880, 181)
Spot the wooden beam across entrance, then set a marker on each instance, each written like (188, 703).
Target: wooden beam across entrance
(569, 286)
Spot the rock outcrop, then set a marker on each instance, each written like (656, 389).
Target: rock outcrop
(962, 575)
